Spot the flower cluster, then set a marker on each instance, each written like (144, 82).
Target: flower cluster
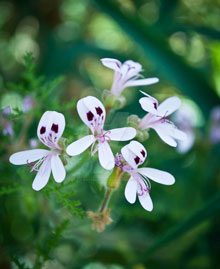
(92, 112)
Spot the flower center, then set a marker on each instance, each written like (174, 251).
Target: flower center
(102, 136)
(144, 185)
(35, 166)
(142, 188)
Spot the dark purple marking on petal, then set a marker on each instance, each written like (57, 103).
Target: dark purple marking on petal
(155, 105)
(42, 130)
(137, 160)
(118, 65)
(143, 153)
(130, 67)
(54, 128)
(90, 116)
(99, 111)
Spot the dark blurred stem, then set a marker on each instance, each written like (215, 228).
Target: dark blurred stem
(106, 200)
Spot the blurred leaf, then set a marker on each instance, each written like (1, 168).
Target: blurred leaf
(210, 209)
(59, 59)
(45, 248)
(206, 31)
(65, 197)
(19, 264)
(9, 189)
(168, 64)
(167, 8)
(101, 266)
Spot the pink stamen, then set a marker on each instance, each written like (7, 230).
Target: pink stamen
(102, 136)
(36, 165)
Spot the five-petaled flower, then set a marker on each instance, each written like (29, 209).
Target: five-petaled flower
(92, 113)
(157, 118)
(126, 75)
(49, 131)
(133, 155)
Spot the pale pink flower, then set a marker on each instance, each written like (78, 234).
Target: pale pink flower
(33, 142)
(157, 118)
(7, 128)
(215, 126)
(139, 185)
(126, 75)
(185, 120)
(92, 113)
(5, 123)
(28, 103)
(49, 131)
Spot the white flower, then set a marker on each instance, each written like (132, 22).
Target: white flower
(157, 118)
(92, 113)
(126, 75)
(186, 119)
(49, 131)
(139, 185)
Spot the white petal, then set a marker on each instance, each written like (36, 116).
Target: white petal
(134, 153)
(141, 82)
(158, 176)
(129, 156)
(131, 190)
(91, 112)
(149, 104)
(138, 149)
(161, 131)
(28, 156)
(122, 134)
(130, 69)
(111, 63)
(43, 175)
(170, 130)
(106, 157)
(146, 202)
(80, 145)
(177, 134)
(168, 106)
(58, 170)
(185, 145)
(50, 128)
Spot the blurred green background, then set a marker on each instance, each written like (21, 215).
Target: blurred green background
(175, 40)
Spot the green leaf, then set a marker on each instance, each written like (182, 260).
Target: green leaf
(47, 246)
(210, 209)
(20, 264)
(9, 189)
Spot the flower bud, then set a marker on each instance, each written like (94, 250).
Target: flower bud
(142, 135)
(133, 121)
(114, 179)
(113, 102)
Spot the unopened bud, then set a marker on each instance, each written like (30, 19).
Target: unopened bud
(113, 102)
(133, 121)
(142, 135)
(115, 178)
